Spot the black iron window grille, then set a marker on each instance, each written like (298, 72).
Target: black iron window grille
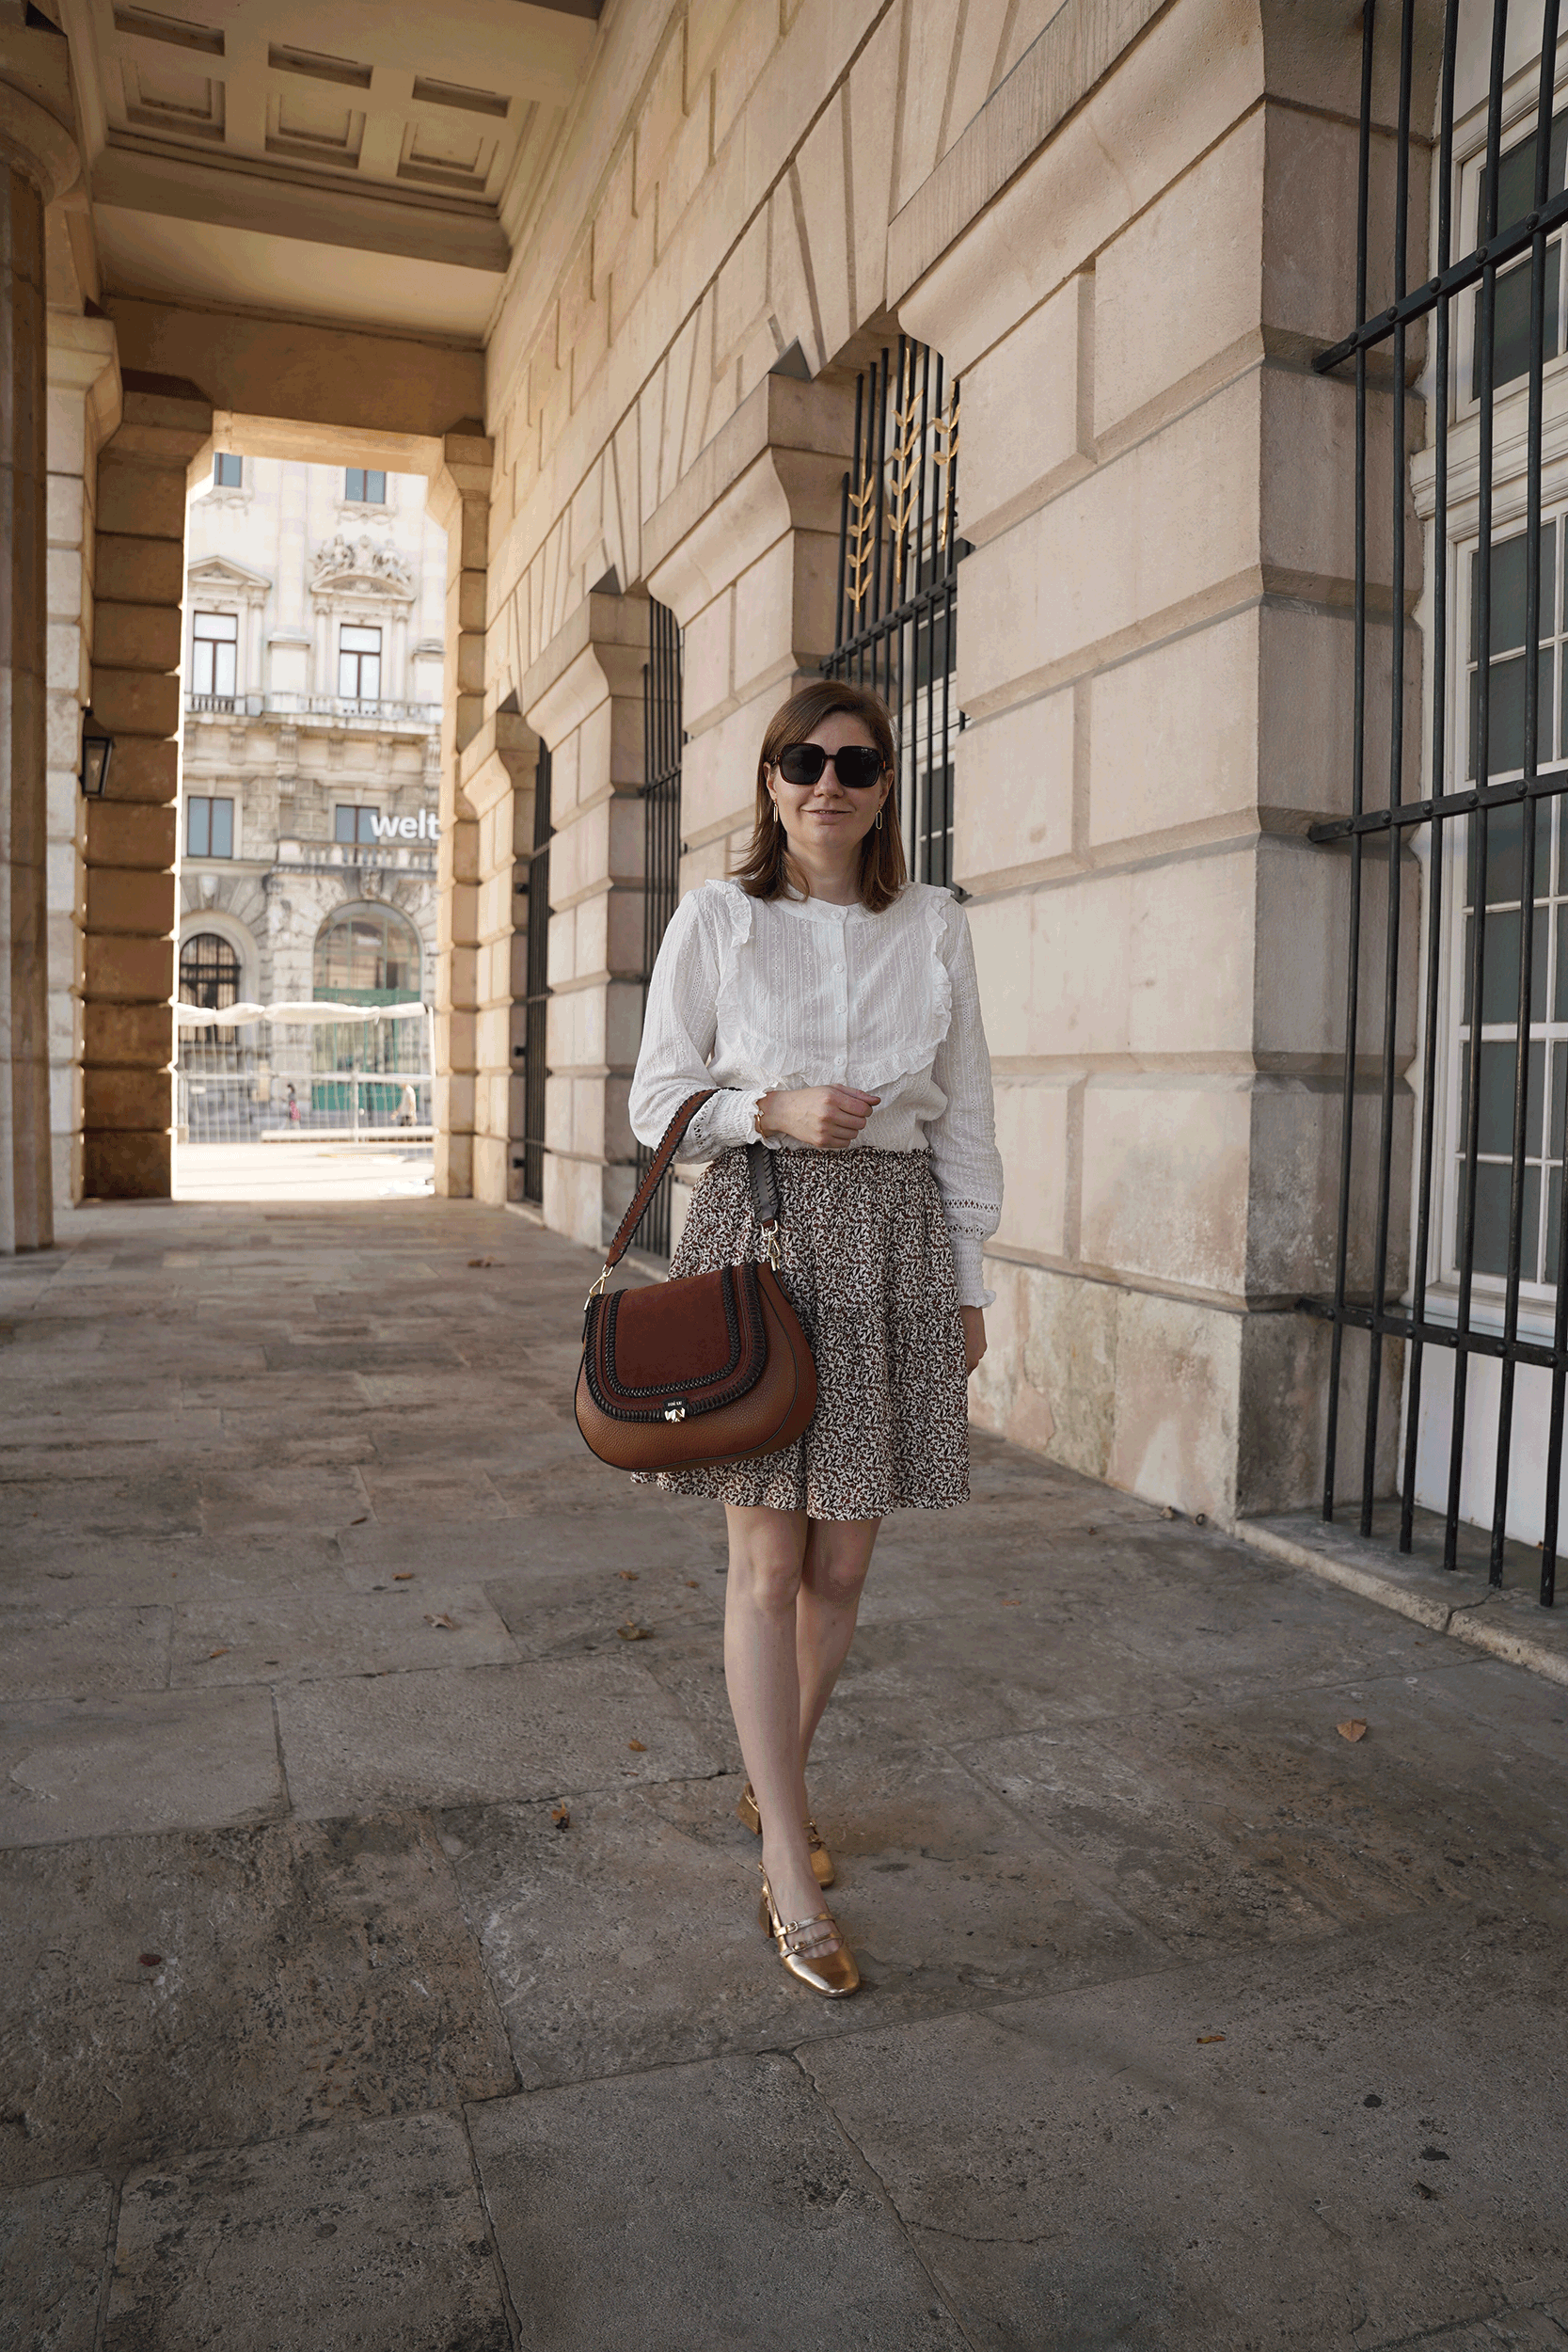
(662, 742)
(536, 1002)
(1484, 1319)
(899, 556)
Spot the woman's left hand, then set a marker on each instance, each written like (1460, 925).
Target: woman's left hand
(974, 1321)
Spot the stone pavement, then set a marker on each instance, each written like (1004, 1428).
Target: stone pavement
(378, 1963)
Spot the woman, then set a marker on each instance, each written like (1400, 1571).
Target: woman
(834, 1006)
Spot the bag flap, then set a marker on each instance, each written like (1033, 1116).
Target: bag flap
(696, 1343)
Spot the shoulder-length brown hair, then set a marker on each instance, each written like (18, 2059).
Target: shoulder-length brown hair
(768, 868)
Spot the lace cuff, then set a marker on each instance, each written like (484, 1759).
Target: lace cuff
(727, 1121)
(968, 1258)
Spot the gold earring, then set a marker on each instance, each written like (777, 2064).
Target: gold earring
(878, 821)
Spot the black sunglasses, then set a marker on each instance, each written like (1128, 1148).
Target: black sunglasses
(854, 764)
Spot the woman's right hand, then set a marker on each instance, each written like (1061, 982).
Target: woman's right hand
(824, 1118)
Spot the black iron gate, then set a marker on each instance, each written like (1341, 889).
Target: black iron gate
(898, 557)
(663, 744)
(536, 1001)
(1490, 1206)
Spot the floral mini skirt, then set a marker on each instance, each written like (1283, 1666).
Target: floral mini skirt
(867, 1265)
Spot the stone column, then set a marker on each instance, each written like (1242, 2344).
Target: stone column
(38, 162)
(745, 552)
(84, 409)
(460, 502)
(144, 472)
(583, 697)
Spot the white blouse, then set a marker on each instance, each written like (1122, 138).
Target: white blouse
(753, 994)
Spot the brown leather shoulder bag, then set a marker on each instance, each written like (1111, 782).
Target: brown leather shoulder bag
(713, 1368)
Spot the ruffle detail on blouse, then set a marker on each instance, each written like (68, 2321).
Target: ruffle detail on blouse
(743, 1040)
(919, 1050)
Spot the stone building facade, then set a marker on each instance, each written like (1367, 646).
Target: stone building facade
(314, 616)
(620, 334)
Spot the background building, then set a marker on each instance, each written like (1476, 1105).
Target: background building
(314, 613)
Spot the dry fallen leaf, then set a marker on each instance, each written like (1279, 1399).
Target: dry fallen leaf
(1352, 1729)
(628, 1576)
(482, 1261)
(1210, 2037)
(151, 1959)
(361, 1520)
(641, 1746)
(403, 1576)
(1012, 1604)
(632, 1632)
(561, 1818)
(443, 1623)
(217, 1653)
(691, 1580)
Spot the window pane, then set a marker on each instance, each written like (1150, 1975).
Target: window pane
(1511, 321)
(1507, 629)
(348, 674)
(1498, 1061)
(201, 668)
(1505, 832)
(223, 828)
(343, 824)
(1494, 1181)
(354, 483)
(1505, 730)
(1500, 988)
(369, 677)
(367, 824)
(217, 624)
(1554, 1224)
(197, 832)
(375, 489)
(223, 669)
(228, 472)
(360, 639)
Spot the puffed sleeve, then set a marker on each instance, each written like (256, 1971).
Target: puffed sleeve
(678, 1030)
(966, 1163)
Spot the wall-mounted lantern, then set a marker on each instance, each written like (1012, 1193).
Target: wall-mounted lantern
(97, 745)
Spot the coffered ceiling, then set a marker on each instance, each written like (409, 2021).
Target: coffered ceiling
(353, 159)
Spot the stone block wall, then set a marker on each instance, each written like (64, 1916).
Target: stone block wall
(84, 409)
(144, 472)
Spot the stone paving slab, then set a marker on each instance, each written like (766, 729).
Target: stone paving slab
(722, 2207)
(54, 2245)
(450, 1737)
(124, 1767)
(314, 1633)
(631, 1938)
(216, 1987)
(367, 2237)
(61, 1653)
(1346, 2147)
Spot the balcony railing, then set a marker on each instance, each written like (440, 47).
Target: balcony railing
(339, 708)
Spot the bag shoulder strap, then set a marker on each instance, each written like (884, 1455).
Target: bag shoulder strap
(642, 1197)
(759, 1166)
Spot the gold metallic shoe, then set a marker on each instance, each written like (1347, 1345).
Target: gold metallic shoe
(822, 1860)
(827, 1964)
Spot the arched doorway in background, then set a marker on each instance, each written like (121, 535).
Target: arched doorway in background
(375, 1073)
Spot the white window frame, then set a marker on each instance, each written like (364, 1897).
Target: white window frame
(217, 644)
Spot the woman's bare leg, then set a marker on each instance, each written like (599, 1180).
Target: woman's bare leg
(833, 1577)
(767, 1554)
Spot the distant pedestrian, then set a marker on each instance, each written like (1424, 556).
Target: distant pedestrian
(833, 1004)
(293, 1108)
(408, 1110)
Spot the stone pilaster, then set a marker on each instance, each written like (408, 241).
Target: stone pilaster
(460, 502)
(745, 553)
(84, 409)
(496, 776)
(144, 472)
(583, 697)
(38, 162)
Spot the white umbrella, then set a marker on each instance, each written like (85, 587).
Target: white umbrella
(235, 1016)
